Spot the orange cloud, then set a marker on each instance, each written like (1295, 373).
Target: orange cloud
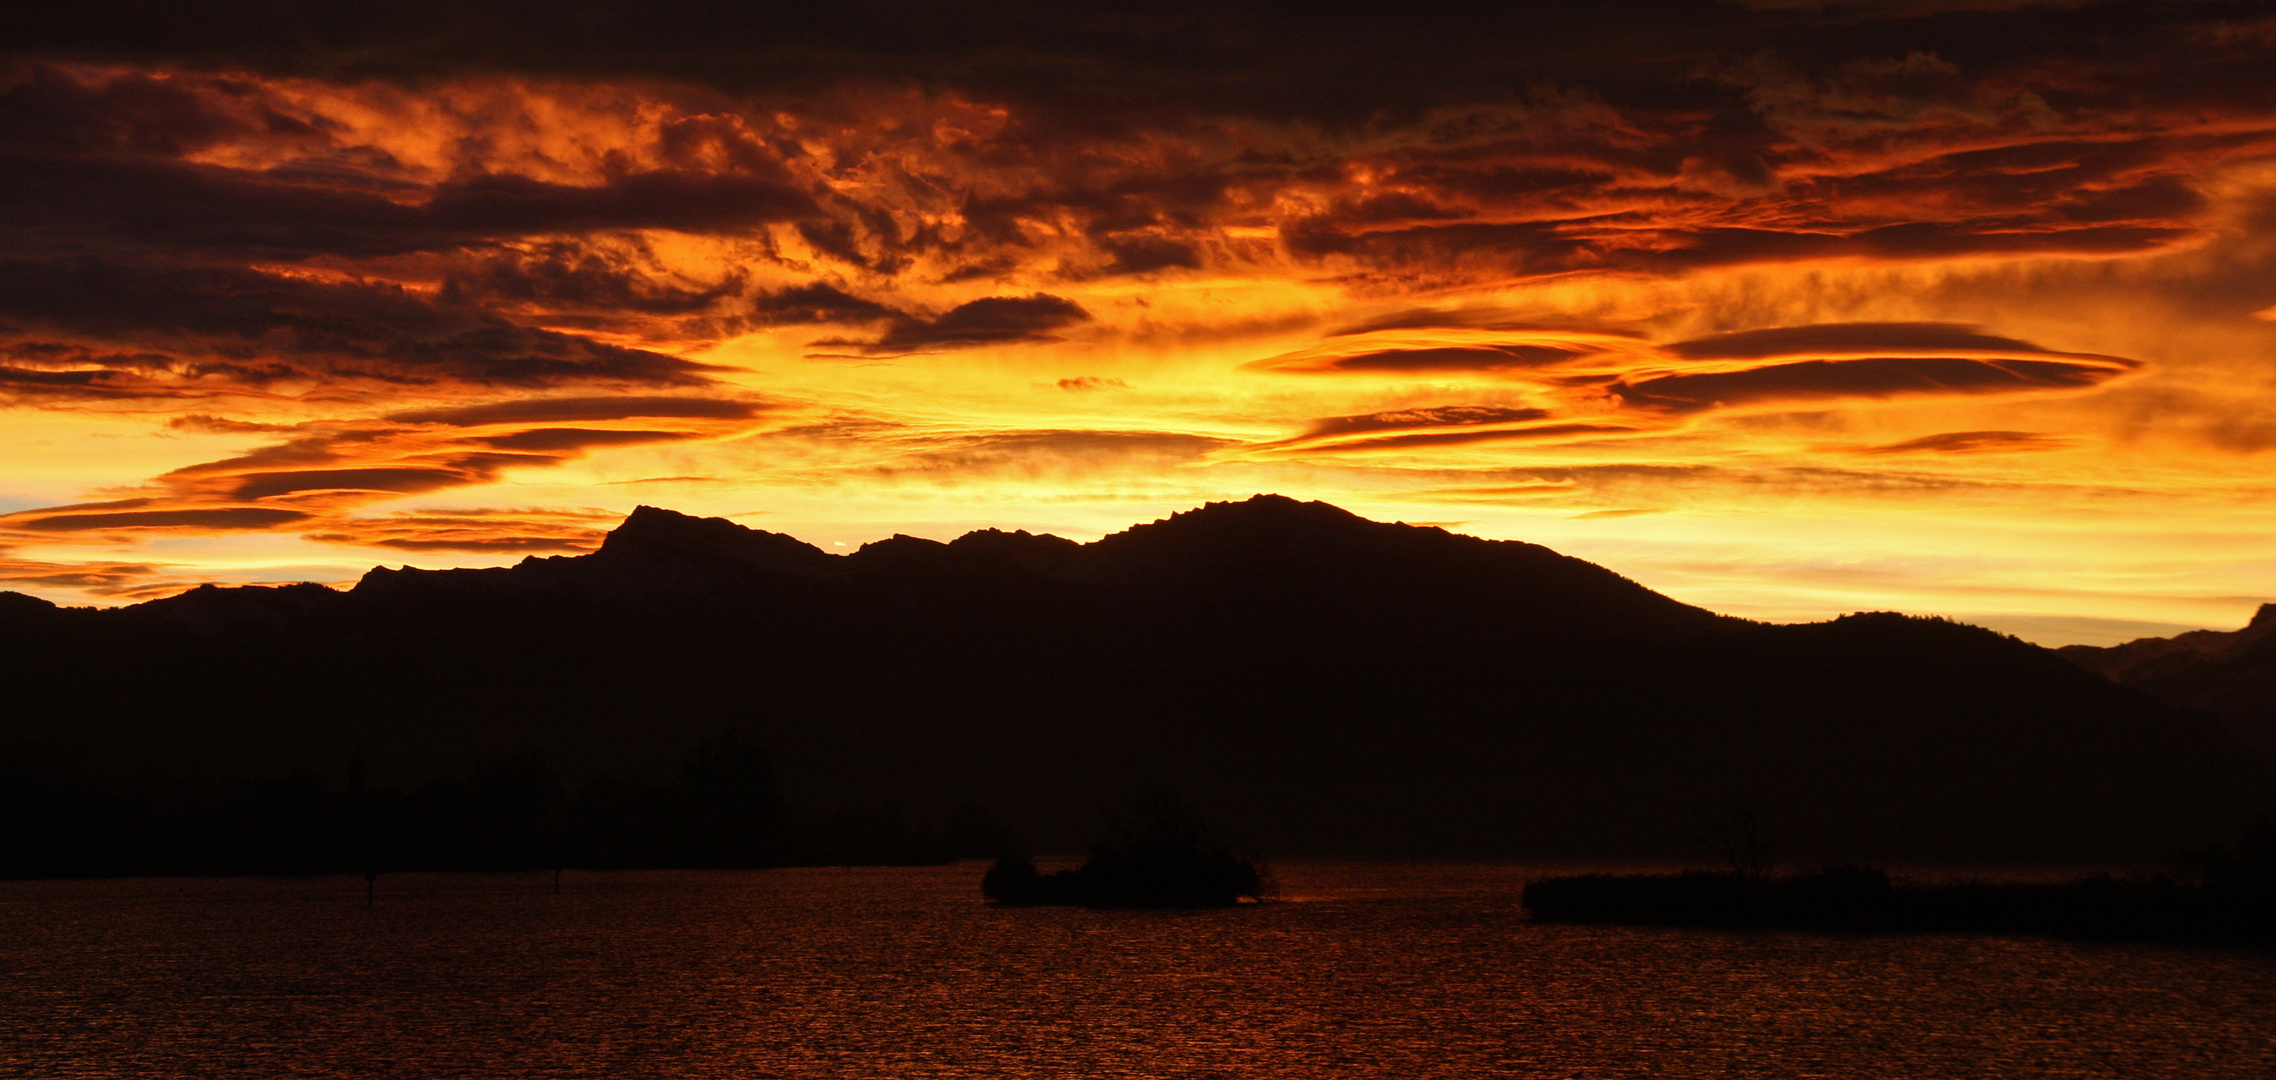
(315, 480)
(1879, 377)
(1971, 442)
(131, 514)
(1610, 385)
(994, 320)
(499, 531)
(120, 581)
(1734, 257)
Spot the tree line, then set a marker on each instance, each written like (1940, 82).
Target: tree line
(722, 809)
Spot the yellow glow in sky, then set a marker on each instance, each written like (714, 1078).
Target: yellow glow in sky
(1972, 351)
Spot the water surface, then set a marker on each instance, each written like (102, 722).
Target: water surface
(1364, 970)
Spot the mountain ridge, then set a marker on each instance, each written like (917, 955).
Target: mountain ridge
(2229, 675)
(656, 551)
(1318, 681)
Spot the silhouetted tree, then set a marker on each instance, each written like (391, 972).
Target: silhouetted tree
(499, 817)
(729, 813)
(1743, 840)
(1159, 857)
(2248, 865)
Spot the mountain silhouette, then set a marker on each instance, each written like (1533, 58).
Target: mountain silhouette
(1314, 681)
(2228, 675)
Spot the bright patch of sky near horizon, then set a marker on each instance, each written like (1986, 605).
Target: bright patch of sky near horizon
(1987, 336)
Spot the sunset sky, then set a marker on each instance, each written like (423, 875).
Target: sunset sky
(1786, 309)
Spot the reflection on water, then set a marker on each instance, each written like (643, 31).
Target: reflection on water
(1366, 970)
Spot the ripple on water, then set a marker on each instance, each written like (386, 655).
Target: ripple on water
(1368, 970)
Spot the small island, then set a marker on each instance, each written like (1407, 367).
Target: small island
(2218, 896)
(1161, 861)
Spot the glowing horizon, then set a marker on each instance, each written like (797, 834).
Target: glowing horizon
(1815, 325)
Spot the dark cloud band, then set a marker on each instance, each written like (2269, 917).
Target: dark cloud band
(1821, 380)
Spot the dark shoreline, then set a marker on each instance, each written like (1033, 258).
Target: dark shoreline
(1861, 900)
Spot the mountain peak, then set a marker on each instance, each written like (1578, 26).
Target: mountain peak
(1271, 507)
(1256, 518)
(20, 606)
(2227, 674)
(899, 549)
(651, 524)
(654, 534)
(2255, 636)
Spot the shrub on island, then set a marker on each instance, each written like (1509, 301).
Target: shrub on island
(1163, 861)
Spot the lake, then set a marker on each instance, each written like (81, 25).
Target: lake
(1362, 970)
